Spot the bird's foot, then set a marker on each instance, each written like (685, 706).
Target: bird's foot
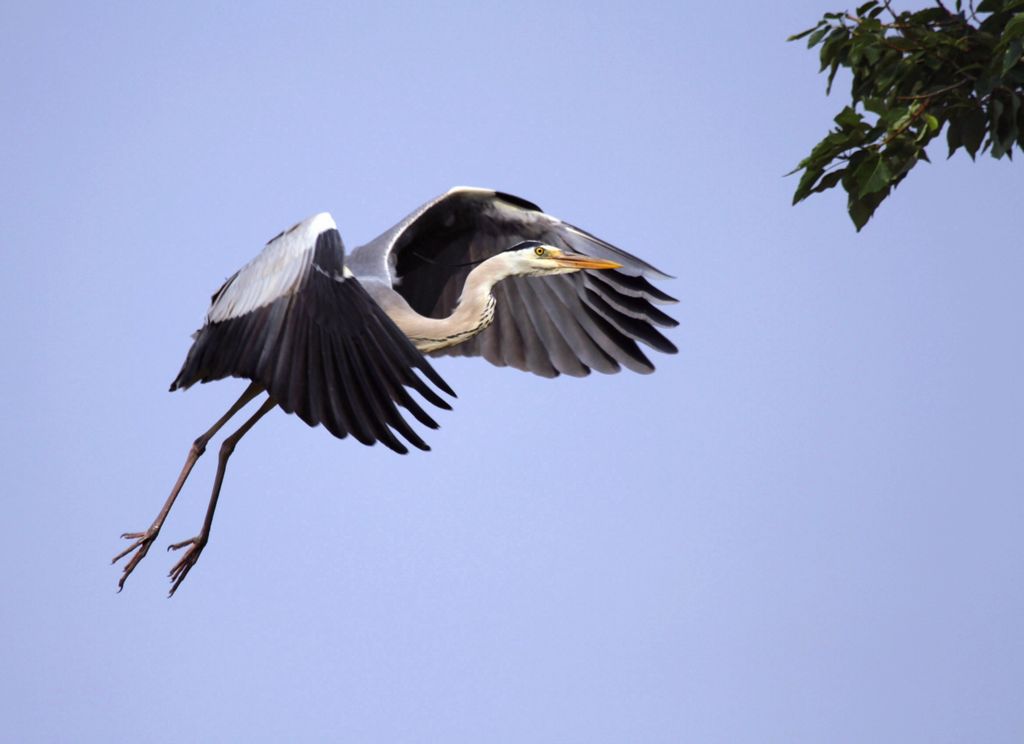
(143, 541)
(182, 567)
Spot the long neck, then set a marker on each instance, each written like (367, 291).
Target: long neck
(474, 312)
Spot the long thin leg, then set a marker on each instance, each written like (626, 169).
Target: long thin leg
(143, 540)
(197, 543)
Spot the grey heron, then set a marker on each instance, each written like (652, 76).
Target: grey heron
(340, 341)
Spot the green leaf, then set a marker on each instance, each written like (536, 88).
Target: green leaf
(817, 36)
(954, 138)
(802, 34)
(929, 15)
(972, 124)
(833, 51)
(831, 77)
(1014, 27)
(860, 212)
(1012, 55)
(872, 175)
(829, 180)
(848, 118)
(1009, 129)
(872, 53)
(996, 109)
(875, 105)
(807, 180)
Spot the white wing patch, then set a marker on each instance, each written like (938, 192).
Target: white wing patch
(276, 272)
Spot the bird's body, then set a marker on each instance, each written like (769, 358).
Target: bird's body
(339, 341)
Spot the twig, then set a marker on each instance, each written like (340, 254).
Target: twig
(933, 93)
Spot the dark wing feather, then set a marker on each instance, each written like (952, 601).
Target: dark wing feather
(319, 345)
(563, 324)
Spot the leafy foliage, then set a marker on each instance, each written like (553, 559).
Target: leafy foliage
(915, 74)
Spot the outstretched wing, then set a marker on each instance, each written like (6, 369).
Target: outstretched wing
(562, 324)
(296, 322)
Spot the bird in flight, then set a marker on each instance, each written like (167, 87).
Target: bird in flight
(340, 340)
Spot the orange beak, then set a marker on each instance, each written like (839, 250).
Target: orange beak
(578, 261)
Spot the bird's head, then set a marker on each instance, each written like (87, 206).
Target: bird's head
(534, 258)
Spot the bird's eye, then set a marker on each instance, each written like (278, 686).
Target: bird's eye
(538, 251)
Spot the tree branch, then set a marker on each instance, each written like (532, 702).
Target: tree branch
(933, 93)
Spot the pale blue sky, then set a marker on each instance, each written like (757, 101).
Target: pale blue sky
(805, 527)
